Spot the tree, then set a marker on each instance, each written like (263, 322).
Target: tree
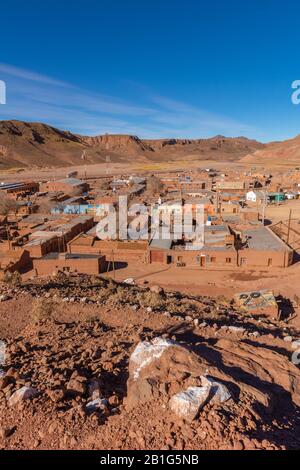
(7, 205)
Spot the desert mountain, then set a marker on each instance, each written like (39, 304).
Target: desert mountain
(274, 152)
(24, 144)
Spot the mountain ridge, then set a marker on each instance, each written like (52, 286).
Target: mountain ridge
(36, 144)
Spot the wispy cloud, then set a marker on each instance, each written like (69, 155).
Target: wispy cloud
(33, 96)
(32, 76)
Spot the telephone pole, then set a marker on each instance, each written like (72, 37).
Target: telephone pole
(289, 228)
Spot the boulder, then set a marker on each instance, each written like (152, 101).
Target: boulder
(2, 352)
(161, 368)
(99, 404)
(22, 394)
(187, 404)
(219, 393)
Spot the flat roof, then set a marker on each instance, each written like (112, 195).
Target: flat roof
(55, 255)
(264, 239)
(72, 181)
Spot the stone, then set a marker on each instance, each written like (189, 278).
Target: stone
(219, 392)
(56, 395)
(146, 352)
(2, 352)
(156, 289)
(188, 403)
(288, 339)
(236, 329)
(5, 380)
(5, 432)
(22, 394)
(94, 389)
(100, 404)
(75, 387)
(113, 400)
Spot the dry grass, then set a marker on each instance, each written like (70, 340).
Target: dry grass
(43, 310)
(13, 279)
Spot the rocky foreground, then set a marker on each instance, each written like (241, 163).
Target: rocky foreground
(87, 363)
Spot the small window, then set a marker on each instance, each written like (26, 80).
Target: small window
(180, 258)
(228, 260)
(213, 259)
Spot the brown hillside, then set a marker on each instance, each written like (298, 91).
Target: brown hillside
(24, 144)
(277, 152)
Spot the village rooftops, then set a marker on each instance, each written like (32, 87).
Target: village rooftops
(160, 244)
(264, 239)
(71, 181)
(55, 255)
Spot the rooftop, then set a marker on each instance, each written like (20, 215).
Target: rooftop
(264, 239)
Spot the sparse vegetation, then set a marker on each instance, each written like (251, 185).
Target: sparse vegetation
(12, 278)
(7, 205)
(43, 310)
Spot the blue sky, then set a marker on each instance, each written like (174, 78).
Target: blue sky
(154, 68)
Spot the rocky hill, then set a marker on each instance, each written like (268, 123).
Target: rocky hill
(24, 144)
(285, 151)
(133, 367)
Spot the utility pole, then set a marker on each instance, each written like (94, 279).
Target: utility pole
(83, 158)
(8, 237)
(113, 261)
(289, 228)
(264, 208)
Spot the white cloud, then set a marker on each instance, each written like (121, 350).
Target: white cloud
(33, 96)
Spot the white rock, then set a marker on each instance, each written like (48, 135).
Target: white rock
(219, 392)
(288, 339)
(129, 281)
(236, 329)
(148, 309)
(23, 393)
(146, 352)
(203, 324)
(4, 297)
(187, 404)
(256, 334)
(99, 404)
(2, 352)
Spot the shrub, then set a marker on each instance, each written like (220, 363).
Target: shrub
(43, 310)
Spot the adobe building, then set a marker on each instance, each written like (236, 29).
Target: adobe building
(16, 190)
(54, 235)
(261, 247)
(227, 185)
(66, 185)
(218, 250)
(14, 260)
(51, 263)
(120, 251)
